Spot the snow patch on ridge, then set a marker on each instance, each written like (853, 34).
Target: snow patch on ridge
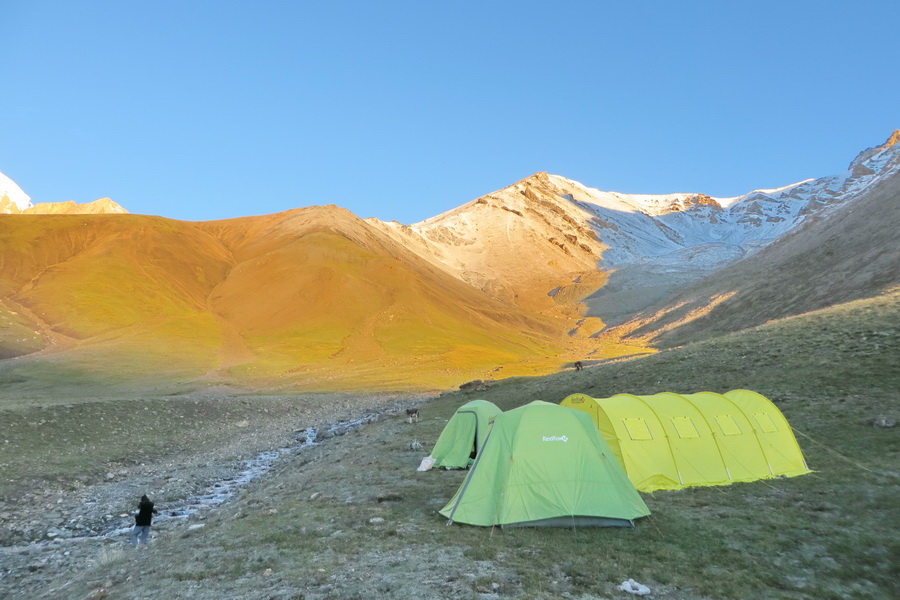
(11, 195)
(642, 226)
(546, 227)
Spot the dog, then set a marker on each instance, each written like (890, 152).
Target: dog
(412, 415)
(578, 366)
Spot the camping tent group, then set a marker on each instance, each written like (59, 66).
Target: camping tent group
(582, 463)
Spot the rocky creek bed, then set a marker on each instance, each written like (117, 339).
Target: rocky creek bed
(49, 530)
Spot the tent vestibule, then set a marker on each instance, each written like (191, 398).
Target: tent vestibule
(464, 435)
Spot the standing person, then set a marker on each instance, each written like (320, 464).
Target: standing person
(142, 521)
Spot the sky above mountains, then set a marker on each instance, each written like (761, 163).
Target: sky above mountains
(403, 110)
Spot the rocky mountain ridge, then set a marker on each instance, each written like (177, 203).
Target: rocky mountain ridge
(547, 238)
(533, 275)
(851, 253)
(637, 227)
(626, 228)
(14, 201)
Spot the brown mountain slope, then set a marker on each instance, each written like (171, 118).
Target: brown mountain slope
(525, 245)
(114, 294)
(88, 275)
(320, 285)
(314, 297)
(850, 254)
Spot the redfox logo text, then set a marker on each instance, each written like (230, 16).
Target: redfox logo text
(556, 438)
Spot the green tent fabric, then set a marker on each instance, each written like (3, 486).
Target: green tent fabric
(545, 465)
(464, 434)
(670, 441)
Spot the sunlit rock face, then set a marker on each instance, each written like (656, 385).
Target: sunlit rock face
(103, 206)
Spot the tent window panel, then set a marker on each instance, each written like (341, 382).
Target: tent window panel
(685, 427)
(728, 425)
(637, 428)
(765, 422)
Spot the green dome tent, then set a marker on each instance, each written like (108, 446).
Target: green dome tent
(670, 441)
(464, 434)
(545, 465)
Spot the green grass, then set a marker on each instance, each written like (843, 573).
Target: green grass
(353, 519)
(16, 336)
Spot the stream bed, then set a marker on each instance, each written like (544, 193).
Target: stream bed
(215, 494)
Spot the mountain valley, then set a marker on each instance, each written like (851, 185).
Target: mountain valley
(140, 354)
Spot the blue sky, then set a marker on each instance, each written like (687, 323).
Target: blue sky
(401, 110)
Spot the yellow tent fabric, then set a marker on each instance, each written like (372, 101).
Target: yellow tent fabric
(670, 441)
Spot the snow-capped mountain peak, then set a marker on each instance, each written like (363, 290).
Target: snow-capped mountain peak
(548, 233)
(12, 198)
(869, 153)
(640, 226)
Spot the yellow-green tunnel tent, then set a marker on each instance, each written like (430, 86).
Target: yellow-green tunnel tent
(671, 441)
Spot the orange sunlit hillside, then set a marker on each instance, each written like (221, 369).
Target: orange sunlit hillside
(315, 297)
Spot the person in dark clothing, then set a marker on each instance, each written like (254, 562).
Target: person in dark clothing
(142, 521)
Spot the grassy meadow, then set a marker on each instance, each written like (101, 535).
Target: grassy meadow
(351, 518)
